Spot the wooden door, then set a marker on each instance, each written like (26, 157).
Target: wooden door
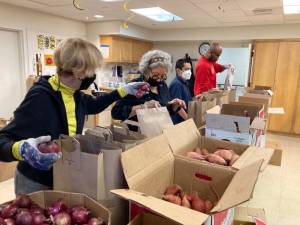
(296, 128)
(286, 89)
(265, 60)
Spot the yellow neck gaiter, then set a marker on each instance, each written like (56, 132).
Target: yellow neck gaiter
(67, 94)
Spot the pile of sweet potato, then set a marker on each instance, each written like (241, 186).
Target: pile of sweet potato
(222, 157)
(176, 195)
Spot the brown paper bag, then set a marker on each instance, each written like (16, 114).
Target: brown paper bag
(153, 121)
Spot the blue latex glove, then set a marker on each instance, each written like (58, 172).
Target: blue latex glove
(28, 150)
(137, 89)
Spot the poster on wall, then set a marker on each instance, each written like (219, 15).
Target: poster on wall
(105, 51)
(40, 41)
(48, 60)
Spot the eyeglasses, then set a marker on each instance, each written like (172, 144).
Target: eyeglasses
(157, 59)
(157, 76)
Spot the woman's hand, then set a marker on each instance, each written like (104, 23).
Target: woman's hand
(28, 151)
(177, 103)
(151, 104)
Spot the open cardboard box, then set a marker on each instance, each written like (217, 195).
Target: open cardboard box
(150, 219)
(257, 98)
(151, 167)
(45, 198)
(185, 137)
(238, 123)
(249, 216)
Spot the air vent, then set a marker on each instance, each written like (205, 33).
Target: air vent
(262, 11)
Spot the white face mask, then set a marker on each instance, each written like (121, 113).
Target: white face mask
(187, 74)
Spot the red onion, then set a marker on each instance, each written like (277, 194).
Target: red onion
(38, 219)
(2, 221)
(24, 218)
(62, 219)
(9, 222)
(57, 207)
(22, 201)
(9, 211)
(80, 215)
(96, 221)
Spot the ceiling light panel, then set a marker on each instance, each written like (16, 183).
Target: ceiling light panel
(157, 14)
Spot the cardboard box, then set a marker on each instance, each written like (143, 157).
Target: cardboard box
(46, 198)
(238, 123)
(278, 152)
(249, 216)
(151, 167)
(185, 137)
(150, 219)
(257, 98)
(7, 170)
(92, 167)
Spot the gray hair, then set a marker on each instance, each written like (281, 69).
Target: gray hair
(154, 59)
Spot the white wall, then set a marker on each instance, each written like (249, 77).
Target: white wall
(178, 50)
(29, 22)
(229, 33)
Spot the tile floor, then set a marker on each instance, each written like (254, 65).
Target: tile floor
(277, 189)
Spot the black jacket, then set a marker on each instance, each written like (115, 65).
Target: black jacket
(123, 107)
(42, 112)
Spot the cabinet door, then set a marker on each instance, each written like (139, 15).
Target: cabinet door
(286, 86)
(265, 60)
(125, 49)
(139, 48)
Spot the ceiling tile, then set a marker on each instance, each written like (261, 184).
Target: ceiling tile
(218, 6)
(266, 19)
(292, 17)
(233, 19)
(249, 5)
(226, 14)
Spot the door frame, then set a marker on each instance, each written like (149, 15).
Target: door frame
(22, 48)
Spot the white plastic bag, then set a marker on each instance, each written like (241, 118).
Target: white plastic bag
(229, 78)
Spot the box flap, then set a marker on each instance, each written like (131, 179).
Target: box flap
(214, 110)
(276, 110)
(240, 188)
(148, 167)
(150, 219)
(166, 209)
(253, 154)
(258, 123)
(242, 109)
(250, 95)
(248, 214)
(182, 136)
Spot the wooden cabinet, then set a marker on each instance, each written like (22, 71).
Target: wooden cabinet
(277, 64)
(265, 61)
(139, 48)
(124, 50)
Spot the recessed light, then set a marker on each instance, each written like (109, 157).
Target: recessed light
(98, 16)
(87, 18)
(157, 14)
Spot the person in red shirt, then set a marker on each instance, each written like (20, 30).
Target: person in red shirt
(207, 69)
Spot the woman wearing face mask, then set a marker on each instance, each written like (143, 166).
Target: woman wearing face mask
(154, 67)
(53, 106)
(179, 87)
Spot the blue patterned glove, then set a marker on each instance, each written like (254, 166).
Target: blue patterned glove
(137, 89)
(28, 149)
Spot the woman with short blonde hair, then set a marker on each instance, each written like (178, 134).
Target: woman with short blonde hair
(154, 67)
(54, 106)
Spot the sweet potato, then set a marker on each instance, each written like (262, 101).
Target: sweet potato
(233, 159)
(185, 202)
(225, 154)
(204, 152)
(198, 204)
(198, 150)
(213, 158)
(195, 155)
(186, 195)
(173, 190)
(208, 206)
(172, 198)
